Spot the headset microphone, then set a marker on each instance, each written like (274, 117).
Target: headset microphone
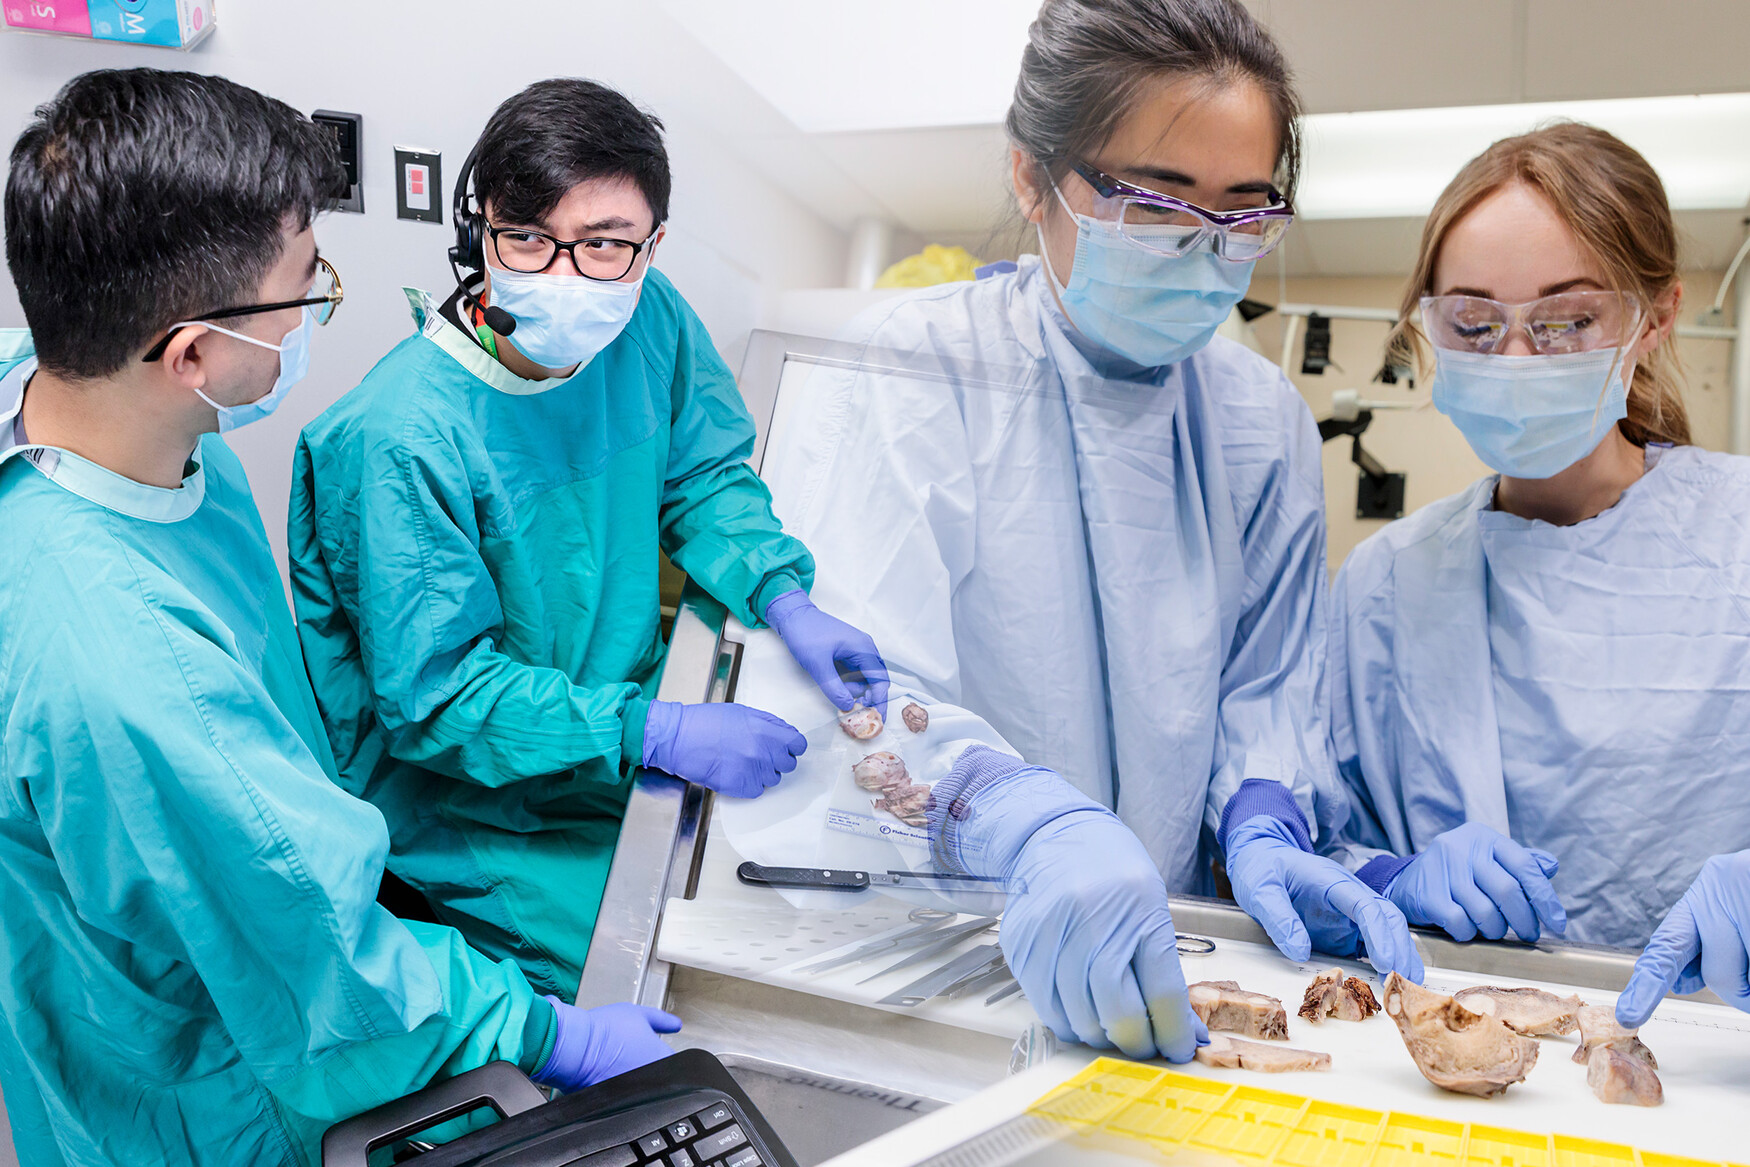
(470, 249)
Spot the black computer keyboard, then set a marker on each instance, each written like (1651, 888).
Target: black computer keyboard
(684, 1111)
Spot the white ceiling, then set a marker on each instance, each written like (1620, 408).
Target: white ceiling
(942, 69)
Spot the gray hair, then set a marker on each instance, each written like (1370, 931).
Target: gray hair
(1086, 62)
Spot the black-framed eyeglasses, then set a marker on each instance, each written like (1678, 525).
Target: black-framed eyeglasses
(525, 250)
(1174, 227)
(325, 296)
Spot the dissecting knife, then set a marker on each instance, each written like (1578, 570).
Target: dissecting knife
(947, 939)
(933, 982)
(840, 879)
(1002, 994)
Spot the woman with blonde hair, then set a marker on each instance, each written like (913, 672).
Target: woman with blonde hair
(1539, 683)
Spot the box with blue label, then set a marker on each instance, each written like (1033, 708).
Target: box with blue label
(176, 24)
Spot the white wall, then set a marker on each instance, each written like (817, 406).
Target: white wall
(428, 75)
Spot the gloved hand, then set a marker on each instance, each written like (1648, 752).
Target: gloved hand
(732, 749)
(823, 645)
(1475, 879)
(1303, 900)
(592, 1045)
(1086, 930)
(1702, 942)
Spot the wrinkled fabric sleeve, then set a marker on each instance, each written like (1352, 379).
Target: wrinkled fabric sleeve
(716, 520)
(1362, 698)
(1273, 714)
(400, 563)
(189, 818)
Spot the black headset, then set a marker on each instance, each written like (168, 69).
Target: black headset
(469, 250)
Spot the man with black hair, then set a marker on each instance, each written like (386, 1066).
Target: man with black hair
(193, 968)
(475, 535)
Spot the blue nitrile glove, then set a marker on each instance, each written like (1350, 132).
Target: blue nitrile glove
(591, 1045)
(732, 749)
(1304, 900)
(1086, 929)
(1473, 879)
(827, 647)
(1702, 942)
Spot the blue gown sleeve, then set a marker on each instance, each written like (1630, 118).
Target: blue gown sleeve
(717, 523)
(400, 564)
(1274, 708)
(189, 819)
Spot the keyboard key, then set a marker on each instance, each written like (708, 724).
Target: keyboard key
(681, 1158)
(652, 1145)
(716, 1116)
(746, 1157)
(612, 1157)
(684, 1131)
(719, 1142)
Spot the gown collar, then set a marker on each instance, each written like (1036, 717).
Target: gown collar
(465, 351)
(88, 480)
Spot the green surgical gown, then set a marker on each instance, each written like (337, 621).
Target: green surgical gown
(193, 967)
(474, 567)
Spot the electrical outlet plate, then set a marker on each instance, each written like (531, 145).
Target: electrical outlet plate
(419, 184)
(349, 138)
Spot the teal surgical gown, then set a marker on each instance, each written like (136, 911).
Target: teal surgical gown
(1584, 689)
(474, 567)
(193, 967)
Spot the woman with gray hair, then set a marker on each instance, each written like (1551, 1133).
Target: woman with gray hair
(1084, 516)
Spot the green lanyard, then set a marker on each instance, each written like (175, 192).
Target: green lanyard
(488, 339)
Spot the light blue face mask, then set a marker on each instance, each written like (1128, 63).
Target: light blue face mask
(563, 321)
(294, 351)
(1533, 416)
(1149, 309)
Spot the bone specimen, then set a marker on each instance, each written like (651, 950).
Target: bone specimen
(1617, 1077)
(1598, 1028)
(1331, 994)
(1224, 1005)
(1531, 1012)
(916, 717)
(1457, 1049)
(1236, 1053)
(861, 722)
(908, 804)
(881, 772)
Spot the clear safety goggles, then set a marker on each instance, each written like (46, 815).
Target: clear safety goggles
(1568, 322)
(1173, 227)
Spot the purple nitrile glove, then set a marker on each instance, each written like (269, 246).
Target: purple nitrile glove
(592, 1045)
(733, 749)
(831, 651)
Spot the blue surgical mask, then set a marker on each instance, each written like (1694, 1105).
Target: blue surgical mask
(294, 351)
(563, 321)
(1533, 416)
(1149, 309)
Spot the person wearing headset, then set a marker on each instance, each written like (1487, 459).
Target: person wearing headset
(475, 537)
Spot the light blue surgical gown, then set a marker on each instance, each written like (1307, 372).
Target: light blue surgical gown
(1121, 569)
(475, 567)
(193, 966)
(1584, 689)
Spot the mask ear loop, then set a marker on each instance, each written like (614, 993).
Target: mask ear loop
(1620, 361)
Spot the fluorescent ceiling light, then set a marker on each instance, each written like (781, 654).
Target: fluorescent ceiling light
(1392, 163)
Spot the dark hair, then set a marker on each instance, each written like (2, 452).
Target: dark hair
(558, 133)
(1086, 62)
(139, 197)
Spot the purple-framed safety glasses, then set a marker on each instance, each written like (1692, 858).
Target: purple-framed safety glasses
(1170, 226)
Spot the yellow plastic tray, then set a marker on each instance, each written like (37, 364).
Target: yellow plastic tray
(1174, 1111)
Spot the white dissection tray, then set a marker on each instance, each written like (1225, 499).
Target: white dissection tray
(1703, 1050)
